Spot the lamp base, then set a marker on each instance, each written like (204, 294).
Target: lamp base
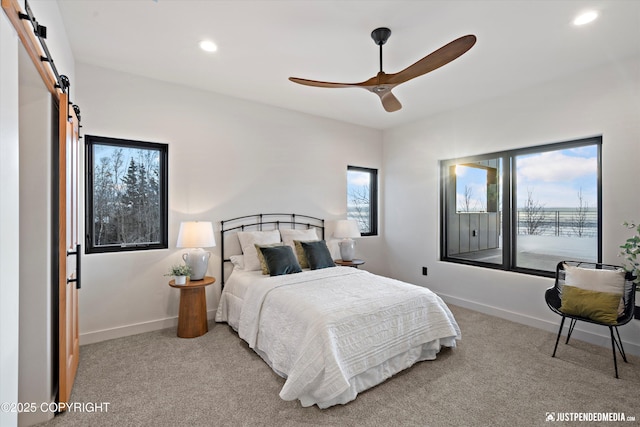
(347, 249)
(198, 260)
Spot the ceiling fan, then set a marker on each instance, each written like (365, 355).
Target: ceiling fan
(382, 83)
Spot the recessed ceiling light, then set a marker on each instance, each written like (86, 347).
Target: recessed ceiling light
(208, 46)
(585, 18)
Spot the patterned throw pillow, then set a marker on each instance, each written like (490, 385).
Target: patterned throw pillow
(302, 258)
(263, 263)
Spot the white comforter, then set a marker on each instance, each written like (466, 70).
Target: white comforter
(337, 331)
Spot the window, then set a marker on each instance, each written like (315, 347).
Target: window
(523, 210)
(126, 195)
(362, 198)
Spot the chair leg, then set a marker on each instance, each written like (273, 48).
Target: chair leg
(619, 345)
(558, 338)
(613, 348)
(571, 326)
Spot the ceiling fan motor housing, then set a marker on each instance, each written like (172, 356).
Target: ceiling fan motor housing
(380, 35)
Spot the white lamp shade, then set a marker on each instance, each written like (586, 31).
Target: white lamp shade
(196, 234)
(346, 229)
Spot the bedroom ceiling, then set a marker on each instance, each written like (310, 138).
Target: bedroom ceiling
(261, 43)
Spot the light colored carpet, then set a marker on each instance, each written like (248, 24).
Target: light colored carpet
(501, 374)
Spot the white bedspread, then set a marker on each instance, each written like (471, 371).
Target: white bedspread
(337, 331)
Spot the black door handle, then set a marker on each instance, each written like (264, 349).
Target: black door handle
(77, 278)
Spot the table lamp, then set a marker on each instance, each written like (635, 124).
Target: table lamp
(346, 229)
(196, 235)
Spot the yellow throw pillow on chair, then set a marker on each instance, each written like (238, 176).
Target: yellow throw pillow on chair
(593, 293)
(598, 306)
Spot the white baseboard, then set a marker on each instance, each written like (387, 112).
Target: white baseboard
(601, 339)
(137, 328)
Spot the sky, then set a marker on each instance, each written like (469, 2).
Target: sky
(554, 178)
(357, 179)
(359, 183)
(105, 150)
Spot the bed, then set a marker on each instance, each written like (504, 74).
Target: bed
(331, 332)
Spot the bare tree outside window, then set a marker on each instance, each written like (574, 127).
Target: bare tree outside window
(579, 220)
(362, 203)
(359, 204)
(534, 215)
(471, 188)
(466, 199)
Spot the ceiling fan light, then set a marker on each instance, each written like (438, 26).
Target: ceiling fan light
(585, 18)
(208, 46)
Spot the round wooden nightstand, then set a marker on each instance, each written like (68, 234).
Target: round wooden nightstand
(353, 263)
(192, 317)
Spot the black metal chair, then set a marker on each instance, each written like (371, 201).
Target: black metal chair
(553, 297)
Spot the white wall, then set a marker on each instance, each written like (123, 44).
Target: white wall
(9, 219)
(227, 158)
(36, 357)
(603, 101)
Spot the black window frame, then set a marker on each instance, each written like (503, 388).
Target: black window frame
(509, 211)
(163, 184)
(373, 198)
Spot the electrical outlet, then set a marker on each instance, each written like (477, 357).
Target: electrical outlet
(424, 271)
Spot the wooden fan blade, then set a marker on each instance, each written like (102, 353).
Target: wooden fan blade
(434, 60)
(317, 83)
(390, 102)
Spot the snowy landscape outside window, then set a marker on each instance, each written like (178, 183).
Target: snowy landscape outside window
(362, 198)
(524, 210)
(126, 195)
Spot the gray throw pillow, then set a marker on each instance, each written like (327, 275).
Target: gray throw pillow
(280, 260)
(318, 255)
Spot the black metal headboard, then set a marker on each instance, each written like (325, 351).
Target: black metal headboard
(260, 222)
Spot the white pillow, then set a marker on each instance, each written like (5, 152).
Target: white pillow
(306, 235)
(611, 281)
(248, 240)
(591, 279)
(237, 261)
